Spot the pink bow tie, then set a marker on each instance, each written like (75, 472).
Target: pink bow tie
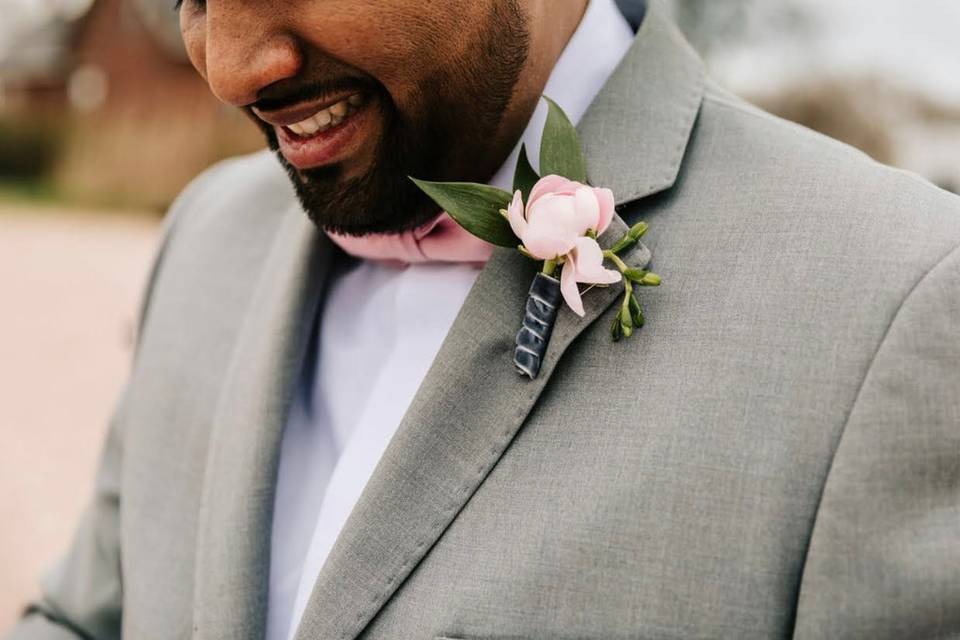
(440, 240)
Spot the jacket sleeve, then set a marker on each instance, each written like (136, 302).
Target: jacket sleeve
(884, 556)
(83, 594)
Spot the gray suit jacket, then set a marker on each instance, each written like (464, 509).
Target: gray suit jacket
(776, 453)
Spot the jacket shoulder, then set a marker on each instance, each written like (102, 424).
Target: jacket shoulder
(250, 183)
(217, 235)
(791, 175)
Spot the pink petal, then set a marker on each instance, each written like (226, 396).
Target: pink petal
(556, 215)
(548, 245)
(607, 207)
(589, 263)
(568, 287)
(551, 184)
(515, 214)
(587, 209)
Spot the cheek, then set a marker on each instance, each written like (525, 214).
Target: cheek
(400, 43)
(193, 30)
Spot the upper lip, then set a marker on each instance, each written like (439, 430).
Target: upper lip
(302, 111)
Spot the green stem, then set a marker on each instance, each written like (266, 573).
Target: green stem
(621, 265)
(549, 267)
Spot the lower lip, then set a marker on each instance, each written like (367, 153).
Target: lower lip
(327, 147)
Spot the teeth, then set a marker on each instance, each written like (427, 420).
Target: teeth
(329, 117)
(310, 126)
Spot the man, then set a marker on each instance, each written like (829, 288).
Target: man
(316, 446)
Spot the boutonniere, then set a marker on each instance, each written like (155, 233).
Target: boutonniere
(554, 220)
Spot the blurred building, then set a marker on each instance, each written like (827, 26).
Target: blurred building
(106, 95)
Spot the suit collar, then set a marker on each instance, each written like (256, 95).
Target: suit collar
(636, 131)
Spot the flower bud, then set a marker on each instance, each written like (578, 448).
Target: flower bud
(626, 322)
(650, 280)
(636, 231)
(615, 331)
(636, 313)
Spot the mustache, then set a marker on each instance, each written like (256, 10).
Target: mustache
(281, 95)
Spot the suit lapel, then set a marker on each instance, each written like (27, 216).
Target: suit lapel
(472, 403)
(233, 552)
(635, 132)
(466, 412)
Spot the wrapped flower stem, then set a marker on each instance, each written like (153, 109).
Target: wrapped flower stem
(543, 304)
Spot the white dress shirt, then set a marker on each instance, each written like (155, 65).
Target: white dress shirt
(379, 331)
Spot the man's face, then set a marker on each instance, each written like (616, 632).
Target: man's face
(356, 95)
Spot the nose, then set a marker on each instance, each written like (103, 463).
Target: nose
(246, 52)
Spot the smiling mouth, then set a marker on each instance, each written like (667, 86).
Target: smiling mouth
(327, 118)
(311, 135)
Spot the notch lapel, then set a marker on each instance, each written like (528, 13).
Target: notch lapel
(471, 403)
(233, 543)
(466, 412)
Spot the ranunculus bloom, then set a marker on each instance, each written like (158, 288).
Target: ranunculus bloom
(559, 212)
(553, 225)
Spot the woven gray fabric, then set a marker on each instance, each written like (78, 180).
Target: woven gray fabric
(775, 454)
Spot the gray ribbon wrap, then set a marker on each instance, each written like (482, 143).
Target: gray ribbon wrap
(543, 304)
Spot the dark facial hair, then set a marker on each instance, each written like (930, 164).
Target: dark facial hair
(459, 112)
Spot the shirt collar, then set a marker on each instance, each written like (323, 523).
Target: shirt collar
(590, 57)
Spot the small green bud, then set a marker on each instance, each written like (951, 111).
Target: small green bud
(635, 275)
(650, 280)
(615, 331)
(636, 231)
(636, 313)
(626, 322)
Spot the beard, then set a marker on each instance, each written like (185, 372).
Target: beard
(451, 126)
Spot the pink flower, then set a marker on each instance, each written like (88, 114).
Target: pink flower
(559, 212)
(553, 226)
(584, 264)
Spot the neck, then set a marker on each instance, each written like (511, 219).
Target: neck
(552, 25)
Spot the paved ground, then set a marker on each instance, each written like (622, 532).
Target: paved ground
(69, 288)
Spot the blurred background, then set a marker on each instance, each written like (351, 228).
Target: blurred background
(103, 121)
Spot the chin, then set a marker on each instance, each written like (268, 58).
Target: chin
(376, 201)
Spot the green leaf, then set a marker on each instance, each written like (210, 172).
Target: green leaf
(560, 151)
(475, 207)
(524, 177)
